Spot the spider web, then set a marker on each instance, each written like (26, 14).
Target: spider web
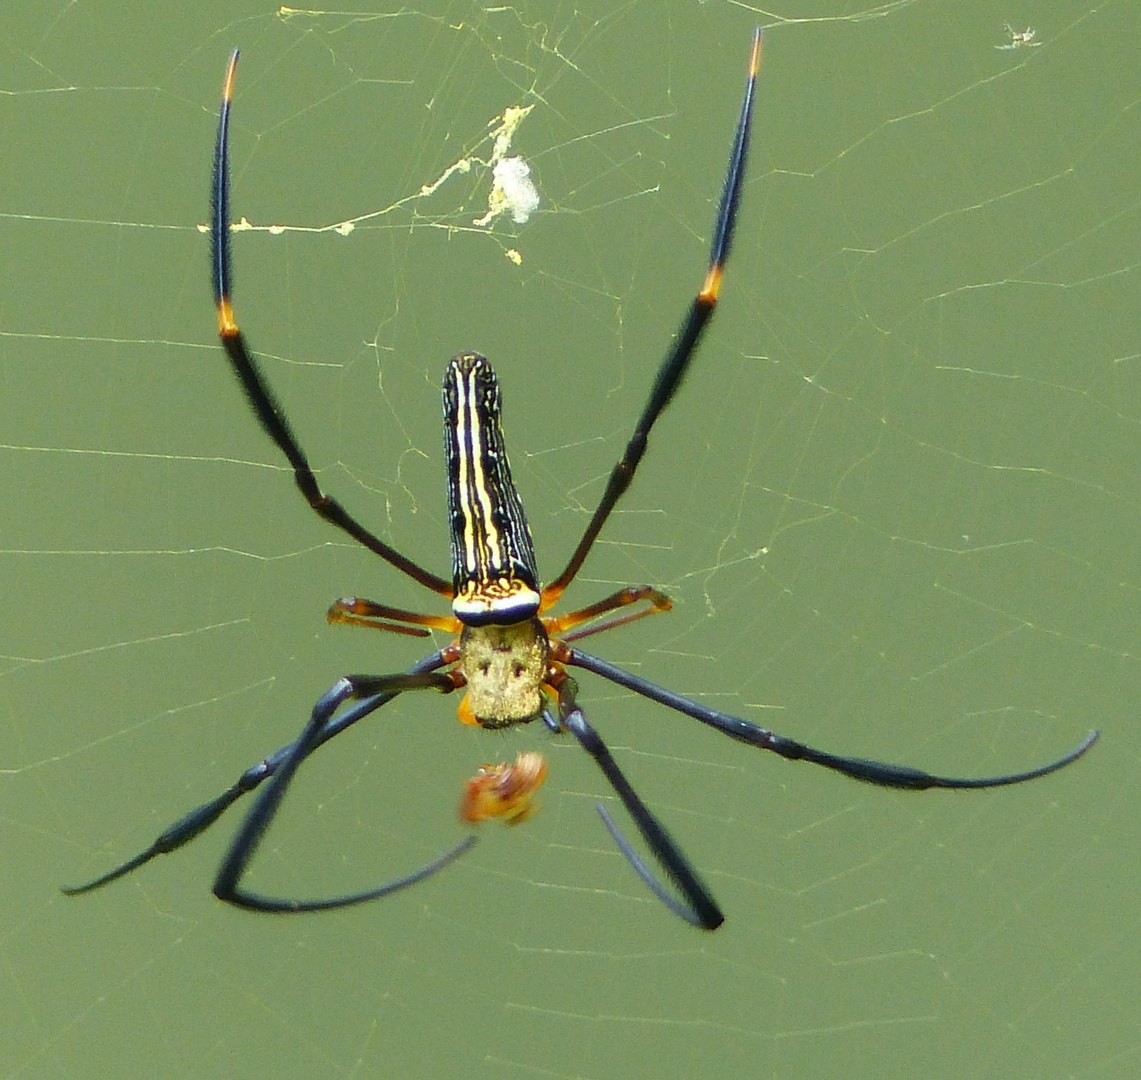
(896, 505)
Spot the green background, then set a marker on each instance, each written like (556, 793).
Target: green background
(897, 504)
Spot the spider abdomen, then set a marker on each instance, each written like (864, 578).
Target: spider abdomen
(493, 559)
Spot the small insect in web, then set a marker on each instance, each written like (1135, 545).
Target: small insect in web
(1019, 39)
(508, 653)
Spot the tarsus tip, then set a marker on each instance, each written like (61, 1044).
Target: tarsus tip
(231, 71)
(754, 59)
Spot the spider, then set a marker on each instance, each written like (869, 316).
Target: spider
(508, 653)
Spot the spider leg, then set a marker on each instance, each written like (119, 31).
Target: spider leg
(356, 611)
(882, 773)
(242, 850)
(700, 909)
(655, 603)
(261, 398)
(198, 820)
(677, 360)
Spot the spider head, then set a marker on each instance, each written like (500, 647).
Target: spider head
(504, 667)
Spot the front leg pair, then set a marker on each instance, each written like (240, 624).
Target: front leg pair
(227, 885)
(699, 908)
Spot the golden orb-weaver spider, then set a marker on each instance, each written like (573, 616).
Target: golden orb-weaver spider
(508, 653)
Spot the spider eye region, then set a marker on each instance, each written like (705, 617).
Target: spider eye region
(504, 667)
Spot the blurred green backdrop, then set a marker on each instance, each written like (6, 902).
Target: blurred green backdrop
(897, 505)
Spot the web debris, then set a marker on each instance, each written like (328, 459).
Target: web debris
(512, 189)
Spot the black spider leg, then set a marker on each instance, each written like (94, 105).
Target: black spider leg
(677, 360)
(872, 772)
(261, 398)
(701, 909)
(242, 850)
(198, 820)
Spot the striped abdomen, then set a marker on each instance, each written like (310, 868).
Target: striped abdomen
(493, 559)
